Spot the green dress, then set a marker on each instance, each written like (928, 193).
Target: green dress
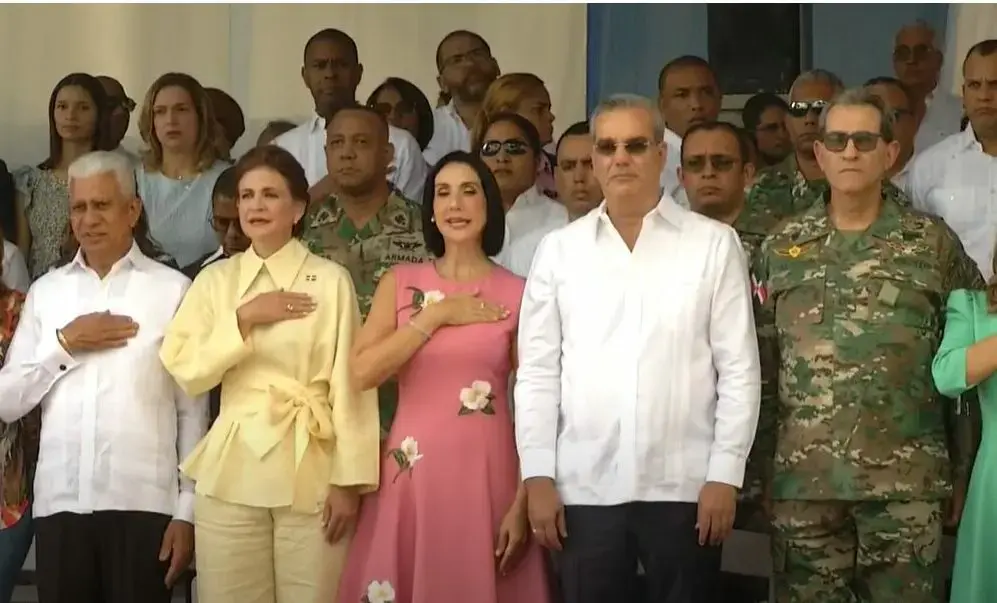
(967, 321)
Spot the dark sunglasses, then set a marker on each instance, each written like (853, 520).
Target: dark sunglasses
(837, 142)
(695, 164)
(491, 148)
(223, 224)
(918, 53)
(634, 146)
(801, 108)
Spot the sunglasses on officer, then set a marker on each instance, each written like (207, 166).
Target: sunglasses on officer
(837, 142)
(633, 147)
(513, 146)
(802, 108)
(696, 164)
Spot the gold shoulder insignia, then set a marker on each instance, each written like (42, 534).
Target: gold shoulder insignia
(793, 252)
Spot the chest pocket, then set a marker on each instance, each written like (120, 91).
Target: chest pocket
(896, 297)
(799, 297)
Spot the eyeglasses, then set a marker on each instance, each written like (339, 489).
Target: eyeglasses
(695, 164)
(223, 224)
(801, 108)
(837, 142)
(491, 148)
(634, 146)
(917, 53)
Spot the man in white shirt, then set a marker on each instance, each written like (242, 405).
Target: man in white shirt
(638, 386)
(466, 68)
(332, 72)
(918, 64)
(577, 188)
(957, 178)
(113, 523)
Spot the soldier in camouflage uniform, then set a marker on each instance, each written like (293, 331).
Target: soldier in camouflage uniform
(368, 227)
(795, 184)
(855, 288)
(714, 172)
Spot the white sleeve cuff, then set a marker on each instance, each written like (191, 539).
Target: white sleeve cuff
(185, 507)
(726, 468)
(537, 463)
(53, 356)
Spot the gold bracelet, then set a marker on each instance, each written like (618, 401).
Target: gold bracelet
(426, 334)
(62, 339)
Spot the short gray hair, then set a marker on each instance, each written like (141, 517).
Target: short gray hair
(106, 162)
(630, 101)
(862, 97)
(922, 25)
(818, 75)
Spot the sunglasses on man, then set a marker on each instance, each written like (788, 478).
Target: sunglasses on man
(802, 108)
(837, 142)
(514, 146)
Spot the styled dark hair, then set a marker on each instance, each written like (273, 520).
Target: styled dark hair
(228, 113)
(580, 128)
(101, 133)
(414, 97)
(528, 130)
(493, 236)
(984, 48)
(751, 114)
(227, 185)
(282, 162)
(743, 148)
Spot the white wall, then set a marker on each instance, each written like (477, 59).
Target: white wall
(254, 52)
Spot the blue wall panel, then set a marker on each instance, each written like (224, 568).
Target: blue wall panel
(629, 43)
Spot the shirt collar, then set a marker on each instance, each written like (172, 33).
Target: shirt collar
(219, 253)
(967, 140)
(666, 209)
(316, 123)
(532, 196)
(282, 266)
(134, 259)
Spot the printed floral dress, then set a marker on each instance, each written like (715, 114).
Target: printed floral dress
(18, 440)
(450, 470)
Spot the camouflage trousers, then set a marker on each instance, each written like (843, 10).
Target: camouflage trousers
(848, 551)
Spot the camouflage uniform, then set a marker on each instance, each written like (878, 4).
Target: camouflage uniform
(392, 236)
(861, 463)
(784, 191)
(753, 224)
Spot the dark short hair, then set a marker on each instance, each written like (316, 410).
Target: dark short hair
(751, 113)
(411, 94)
(743, 147)
(381, 120)
(282, 162)
(336, 36)
(228, 113)
(885, 80)
(984, 49)
(686, 60)
(493, 236)
(455, 34)
(528, 130)
(227, 185)
(580, 128)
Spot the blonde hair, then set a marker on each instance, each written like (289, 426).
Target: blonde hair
(205, 148)
(504, 95)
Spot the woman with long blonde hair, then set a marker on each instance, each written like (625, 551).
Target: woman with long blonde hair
(526, 95)
(179, 166)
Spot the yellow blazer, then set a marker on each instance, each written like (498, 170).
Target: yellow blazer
(290, 422)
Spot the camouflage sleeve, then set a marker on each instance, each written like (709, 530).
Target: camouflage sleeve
(963, 420)
(768, 350)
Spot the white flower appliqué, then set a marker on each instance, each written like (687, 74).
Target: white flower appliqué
(379, 592)
(431, 297)
(406, 456)
(477, 398)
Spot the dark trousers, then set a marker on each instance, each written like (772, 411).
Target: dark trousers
(603, 545)
(14, 544)
(104, 557)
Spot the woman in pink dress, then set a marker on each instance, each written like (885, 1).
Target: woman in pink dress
(448, 523)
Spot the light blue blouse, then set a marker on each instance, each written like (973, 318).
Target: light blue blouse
(180, 212)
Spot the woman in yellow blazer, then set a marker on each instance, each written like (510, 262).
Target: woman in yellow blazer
(280, 472)
(967, 358)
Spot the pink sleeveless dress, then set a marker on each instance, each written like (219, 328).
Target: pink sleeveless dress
(449, 471)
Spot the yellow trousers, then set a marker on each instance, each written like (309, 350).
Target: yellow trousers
(259, 555)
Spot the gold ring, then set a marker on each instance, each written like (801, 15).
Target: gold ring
(290, 307)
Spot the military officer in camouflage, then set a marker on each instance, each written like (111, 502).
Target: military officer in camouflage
(367, 226)
(792, 186)
(856, 288)
(714, 171)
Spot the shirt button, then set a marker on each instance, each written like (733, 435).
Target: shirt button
(62, 367)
